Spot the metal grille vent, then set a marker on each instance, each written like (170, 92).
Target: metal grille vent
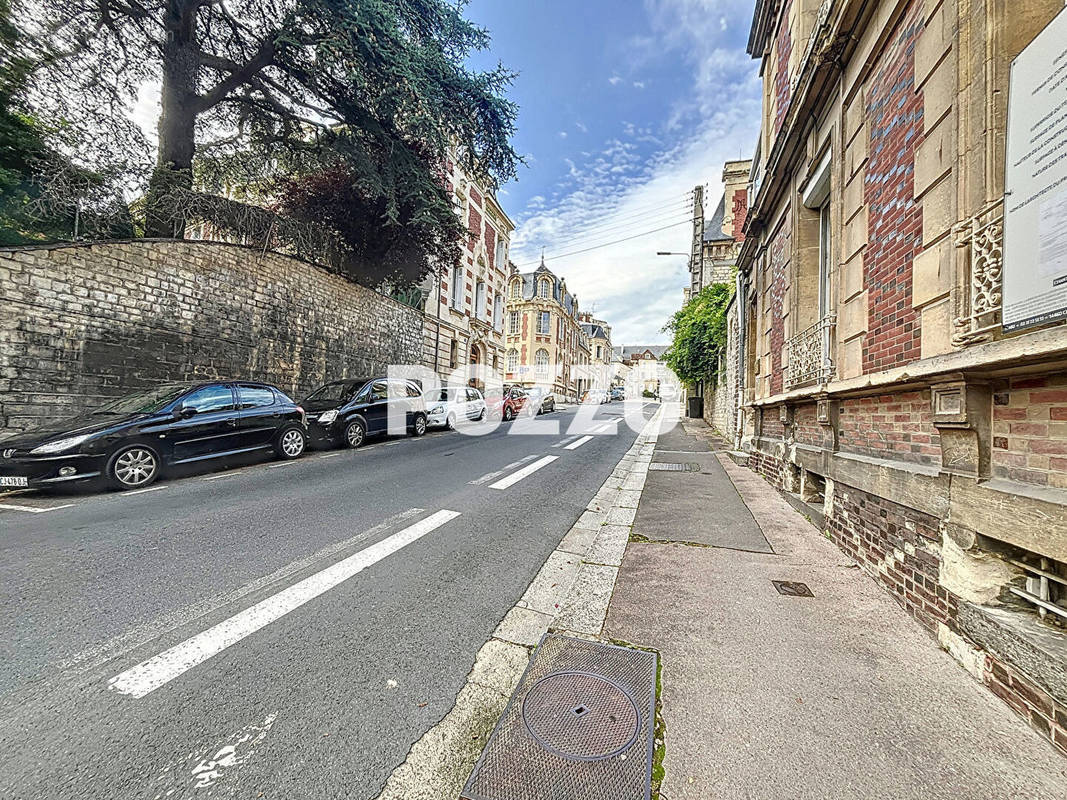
(579, 726)
(663, 466)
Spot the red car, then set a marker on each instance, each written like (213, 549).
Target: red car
(505, 403)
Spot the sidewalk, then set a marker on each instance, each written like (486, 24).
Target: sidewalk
(766, 695)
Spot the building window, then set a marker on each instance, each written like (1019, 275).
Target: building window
(516, 289)
(513, 360)
(513, 322)
(541, 361)
(599, 351)
(501, 255)
(457, 288)
(543, 288)
(544, 322)
(479, 300)
(498, 312)
(453, 354)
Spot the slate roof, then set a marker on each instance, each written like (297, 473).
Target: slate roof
(593, 331)
(529, 288)
(713, 226)
(657, 350)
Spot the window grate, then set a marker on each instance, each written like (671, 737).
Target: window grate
(1045, 587)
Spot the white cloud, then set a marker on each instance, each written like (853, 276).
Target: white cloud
(614, 80)
(639, 84)
(580, 126)
(617, 191)
(562, 134)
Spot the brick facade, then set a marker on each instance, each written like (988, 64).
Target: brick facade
(83, 323)
(783, 49)
(895, 118)
(1030, 431)
(898, 426)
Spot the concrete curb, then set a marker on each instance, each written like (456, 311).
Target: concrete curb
(570, 594)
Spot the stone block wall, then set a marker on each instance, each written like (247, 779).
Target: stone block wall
(83, 323)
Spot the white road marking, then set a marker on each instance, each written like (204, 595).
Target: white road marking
(31, 510)
(142, 491)
(282, 464)
(329, 455)
(562, 442)
(223, 475)
(497, 473)
(515, 477)
(579, 443)
(149, 675)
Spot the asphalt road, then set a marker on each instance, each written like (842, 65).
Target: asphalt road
(287, 629)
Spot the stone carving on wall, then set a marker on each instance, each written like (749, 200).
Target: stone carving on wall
(982, 238)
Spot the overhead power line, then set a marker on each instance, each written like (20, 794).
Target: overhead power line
(606, 244)
(610, 221)
(613, 229)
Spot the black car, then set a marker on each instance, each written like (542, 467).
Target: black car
(347, 412)
(130, 440)
(540, 402)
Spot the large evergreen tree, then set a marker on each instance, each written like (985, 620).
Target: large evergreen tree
(377, 88)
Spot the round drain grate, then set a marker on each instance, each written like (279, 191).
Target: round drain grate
(581, 715)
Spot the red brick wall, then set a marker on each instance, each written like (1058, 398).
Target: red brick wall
(894, 231)
(767, 466)
(899, 547)
(783, 47)
(778, 264)
(740, 203)
(1036, 706)
(490, 245)
(772, 426)
(1030, 431)
(806, 428)
(474, 224)
(897, 426)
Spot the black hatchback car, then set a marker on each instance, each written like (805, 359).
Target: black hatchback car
(131, 440)
(347, 412)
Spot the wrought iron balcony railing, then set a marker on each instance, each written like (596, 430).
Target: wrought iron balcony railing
(808, 354)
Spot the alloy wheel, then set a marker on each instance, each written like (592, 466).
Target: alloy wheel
(136, 466)
(292, 443)
(420, 425)
(354, 434)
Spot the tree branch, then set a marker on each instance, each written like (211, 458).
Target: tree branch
(263, 57)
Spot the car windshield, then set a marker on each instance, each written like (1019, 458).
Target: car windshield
(339, 392)
(145, 402)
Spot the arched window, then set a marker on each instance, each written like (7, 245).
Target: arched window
(513, 360)
(541, 361)
(544, 288)
(516, 288)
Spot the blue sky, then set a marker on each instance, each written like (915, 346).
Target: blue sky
(624, 107)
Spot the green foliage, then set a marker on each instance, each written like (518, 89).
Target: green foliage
(699, 331)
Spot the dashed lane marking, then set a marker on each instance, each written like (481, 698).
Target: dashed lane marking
(31, 509)
(143, 491)
(159, 670)
(497, 473)
(579, 443)
(526, 471)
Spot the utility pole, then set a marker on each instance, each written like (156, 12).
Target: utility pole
(696, 265)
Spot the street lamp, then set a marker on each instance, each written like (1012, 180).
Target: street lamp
(667, 253)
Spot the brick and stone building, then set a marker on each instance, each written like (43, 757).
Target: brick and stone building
(879, 384)
(717, 239)
(545, 341)
(598, 334)
(464, 305)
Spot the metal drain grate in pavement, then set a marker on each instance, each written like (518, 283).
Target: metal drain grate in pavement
(664, 466)
(792, 588)
(579, 726)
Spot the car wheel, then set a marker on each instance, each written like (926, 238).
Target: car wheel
(418, 427)
(508, 414)
(450, 423)
(481, 416)
(291, 443)
(355, 434)
(133, 467)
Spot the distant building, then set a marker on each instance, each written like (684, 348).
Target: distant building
(598, 333)
(465, 305)
(641, 365)
(718, 238)
(545, 341)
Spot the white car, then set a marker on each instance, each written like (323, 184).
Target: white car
(445, 407)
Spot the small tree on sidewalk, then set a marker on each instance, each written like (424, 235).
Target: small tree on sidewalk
(699, 331)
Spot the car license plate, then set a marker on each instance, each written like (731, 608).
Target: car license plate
(17, 480)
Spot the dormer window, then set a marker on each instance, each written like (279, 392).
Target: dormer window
(516, 289)
(544, 289)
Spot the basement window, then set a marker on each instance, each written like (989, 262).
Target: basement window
(812, 488)
(1045, 587)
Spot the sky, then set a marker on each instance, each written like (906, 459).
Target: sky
(624, 107)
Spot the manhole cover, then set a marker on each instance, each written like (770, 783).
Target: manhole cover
(792, 588)
(581, 715)
(579, 726)
(664, 466)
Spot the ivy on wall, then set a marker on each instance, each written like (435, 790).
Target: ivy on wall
(699, 334)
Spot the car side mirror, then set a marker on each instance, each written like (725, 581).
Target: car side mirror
(185, 412)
